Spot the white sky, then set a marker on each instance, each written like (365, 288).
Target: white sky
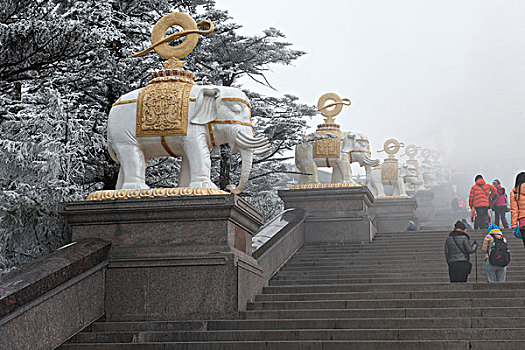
(446, 74)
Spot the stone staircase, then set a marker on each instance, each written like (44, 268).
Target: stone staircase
(389, 294)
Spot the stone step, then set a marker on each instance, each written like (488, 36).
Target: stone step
(303, 334)
(388, 303)
(391, 295)
(370, 269)
(278, 324)
(421, 248)
(388, 313)
(279, 345)
(412, 287)
(319, 275)
(407, 279)
(394, 257)
(386, 265)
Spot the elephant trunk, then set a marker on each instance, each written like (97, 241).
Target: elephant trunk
(246, 159)
(370, 162)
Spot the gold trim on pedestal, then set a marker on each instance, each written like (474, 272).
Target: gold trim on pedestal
(309, 186)
(153, 193)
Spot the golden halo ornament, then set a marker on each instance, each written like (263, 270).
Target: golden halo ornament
(158, 33)
(426, 153)
(334, 101)
(391, 146)
(411, 151)
(190, 30)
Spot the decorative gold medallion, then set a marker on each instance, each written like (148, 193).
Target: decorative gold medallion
(162, 109)
(327, 148)
(153, 193)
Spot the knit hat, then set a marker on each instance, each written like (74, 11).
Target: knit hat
(494, 227)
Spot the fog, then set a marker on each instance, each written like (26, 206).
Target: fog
(448, 75)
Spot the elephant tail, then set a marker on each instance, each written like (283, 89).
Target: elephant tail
(112, 153)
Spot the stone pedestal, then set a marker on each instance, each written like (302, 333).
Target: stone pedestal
(425, 206)
(176, 258)
(443, 195)
(333, 215)
(392, 214)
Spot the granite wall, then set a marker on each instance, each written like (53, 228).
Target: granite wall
(44, 303)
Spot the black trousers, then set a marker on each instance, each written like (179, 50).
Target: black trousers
(522, 231)
(482, 218)
(500, 213)
(458, 271)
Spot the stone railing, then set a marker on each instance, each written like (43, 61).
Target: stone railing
(46, 302)
(278, 240)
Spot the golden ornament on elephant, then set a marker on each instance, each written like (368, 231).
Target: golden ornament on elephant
(329, 105)
(390, 168)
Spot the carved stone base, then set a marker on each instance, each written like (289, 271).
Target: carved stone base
(392, 214)
(425, 206)
(173, 258)
(333, 215)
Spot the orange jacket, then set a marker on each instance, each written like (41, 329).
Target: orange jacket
(517, 206)
(480, 193)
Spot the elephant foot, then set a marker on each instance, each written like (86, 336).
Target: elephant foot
(205, 184)
(134, 186)
(348, 181)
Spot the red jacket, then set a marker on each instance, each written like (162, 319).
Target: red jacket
(480, 193)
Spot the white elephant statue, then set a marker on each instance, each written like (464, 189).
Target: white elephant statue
(429, 176)
(413, 181)
(377, 186)
(355, 147)
(216, 115)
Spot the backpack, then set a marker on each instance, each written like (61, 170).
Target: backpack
(499, 253)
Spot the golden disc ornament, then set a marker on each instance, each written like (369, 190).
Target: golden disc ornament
(190, 32)
(411, 151)
(336, 101)
(158, 33)
(391, 146)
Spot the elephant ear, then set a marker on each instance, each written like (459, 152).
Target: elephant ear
(348, 142)
(206, 106)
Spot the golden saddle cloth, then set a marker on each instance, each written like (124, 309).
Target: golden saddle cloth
(390, 170)
(162, 109)
(327, 148)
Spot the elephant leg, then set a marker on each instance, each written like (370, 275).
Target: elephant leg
(132, 167)
(402, 189)
(396, 188)
(313, 178)
(120, 179)
(184, 174)
(337, 176)
(198, 155)
(345, 168)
